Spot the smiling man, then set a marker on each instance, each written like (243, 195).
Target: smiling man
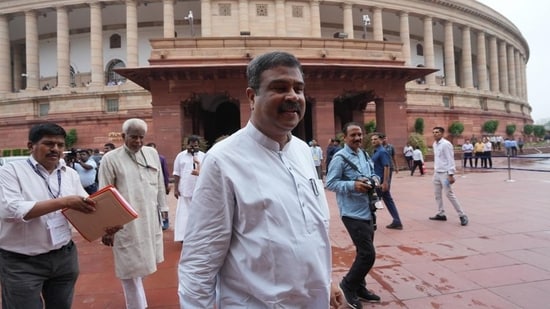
(38, 259)
(258, 229)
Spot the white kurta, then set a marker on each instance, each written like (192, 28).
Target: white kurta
(138, 246)
(183, 165)
(258, 226)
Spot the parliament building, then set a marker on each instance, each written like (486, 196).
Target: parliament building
(180, 65)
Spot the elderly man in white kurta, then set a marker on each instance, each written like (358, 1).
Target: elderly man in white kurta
(135, 170)
(186, 172)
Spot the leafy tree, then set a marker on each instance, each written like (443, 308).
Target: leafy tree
(490, 126)
(456, 128)
(528, 129)
(416, 139)
(538, 130)
(370, 127)
(71, 138)
(419, 125)
(510, 129)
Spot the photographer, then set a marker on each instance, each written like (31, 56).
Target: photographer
(87, 170)
(351, 176)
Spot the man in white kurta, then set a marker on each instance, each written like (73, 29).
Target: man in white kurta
(186, 171)
(136, 172)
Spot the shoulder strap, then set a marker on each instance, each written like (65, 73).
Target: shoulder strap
(367, 158)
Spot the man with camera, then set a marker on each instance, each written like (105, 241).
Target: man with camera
(87, 170)
(351, 175)
(186, 172)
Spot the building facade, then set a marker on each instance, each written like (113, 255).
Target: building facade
(180, 65)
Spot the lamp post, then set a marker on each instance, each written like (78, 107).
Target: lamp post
(366, 22)
(189, 17)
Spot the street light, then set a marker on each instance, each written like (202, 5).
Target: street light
(366, 22)
(189, 17)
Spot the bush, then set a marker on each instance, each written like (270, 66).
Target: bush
(6, 152)
(456, 128)
(538, 131)
(416, 139)
(510, 129)
(71, 138)
(370, 127)
(419, 125)
(528, 129)
(490, 126)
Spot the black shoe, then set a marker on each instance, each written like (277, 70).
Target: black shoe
(351, 297)
(368, 296)
(464, 220)
(395, 226)
(439, 217)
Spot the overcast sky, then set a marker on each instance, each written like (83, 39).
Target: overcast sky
(531, 17)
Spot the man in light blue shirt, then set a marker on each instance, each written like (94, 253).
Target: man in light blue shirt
(346, 176)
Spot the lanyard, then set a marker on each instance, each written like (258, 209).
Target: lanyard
(46, 180)
(133, 157)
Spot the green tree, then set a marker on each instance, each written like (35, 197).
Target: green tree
(510, 129)
(490, 126)
(419, 125)
(71, 138)
(456, 128)
(370, 127)
(528, 129)
(538, 130)
(416, 139)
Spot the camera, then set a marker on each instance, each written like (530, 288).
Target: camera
(374, 199)
(70, 155)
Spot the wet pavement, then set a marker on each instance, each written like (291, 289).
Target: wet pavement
(501, 259)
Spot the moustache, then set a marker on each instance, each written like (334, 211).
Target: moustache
(289, 106)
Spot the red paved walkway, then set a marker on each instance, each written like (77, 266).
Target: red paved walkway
(500, 260)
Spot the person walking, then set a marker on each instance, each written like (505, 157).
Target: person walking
(418, 161)
(348, 176)
(444, 170)
(186, 170)
(467, 150)
(381, 159)
(317, 155)
(135, 170)
(257, 234)
(408, 153)
(38, 259)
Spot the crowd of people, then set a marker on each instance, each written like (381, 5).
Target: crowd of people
(253, 235)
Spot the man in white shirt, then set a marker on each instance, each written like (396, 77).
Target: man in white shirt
(317, 155)
(38, 259)
(257, 235)
(87, 170)
(186, 171)
(444, 170)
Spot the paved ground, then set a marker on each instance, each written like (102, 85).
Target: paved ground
(500, 260)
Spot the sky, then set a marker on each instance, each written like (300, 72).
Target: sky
(531, 17)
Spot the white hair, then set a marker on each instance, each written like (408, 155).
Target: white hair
(134, 123)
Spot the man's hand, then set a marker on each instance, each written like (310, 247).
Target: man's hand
(82, 204)
(109, 238)
(337, 300)
(360, 186)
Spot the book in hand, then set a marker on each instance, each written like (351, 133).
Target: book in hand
(111, 210)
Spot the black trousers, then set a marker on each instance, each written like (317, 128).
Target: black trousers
(41, 281)
(362, 235)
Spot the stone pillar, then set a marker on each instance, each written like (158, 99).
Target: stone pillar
(243, 16)
(5, 61)
(482, 62)
(503, 67)
(429, 58)
(493, 64)
(206, 20)
(524, 77)
(131, 34)
(405, 35)
(517, 70)
(348, 20)
(511, 71)
(63, 58)
(31, 51)
(377, 24)
(467, 72)
(315, 19)
(280, 19)
(449, 49)
(169, 28)
(96, 44)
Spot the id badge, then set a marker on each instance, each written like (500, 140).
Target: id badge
(59, 233)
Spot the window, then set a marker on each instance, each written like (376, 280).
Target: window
(447, 101)
(483, 104)
(261, 10)
(111, 105)
(72, 74)
(419, 50)
(507, 107)
(114, 41)
(225, 9)
(43, 109)
(112, 77)
(298, 11)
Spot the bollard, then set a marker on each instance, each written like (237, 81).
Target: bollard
(509, 171)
